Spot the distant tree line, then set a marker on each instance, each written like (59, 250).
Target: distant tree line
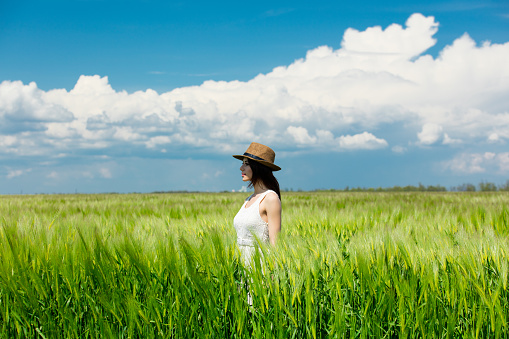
(408, 188)
(482, 187)
(467, 187)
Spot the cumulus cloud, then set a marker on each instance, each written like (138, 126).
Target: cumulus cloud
(430, 134)
(503, 162)
(450, 141)
(361, 141)
(394, 41)
(329, 100)
(471, 163)
(18, 172)
(25, 108)
(105, 173)
(398, 149)
(324, 138)
(52, 175)
(300, 135)
(158, 140)
(495, 138)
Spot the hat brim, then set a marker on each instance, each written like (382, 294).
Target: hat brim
(266, 163)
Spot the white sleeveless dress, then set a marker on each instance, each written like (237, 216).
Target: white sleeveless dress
(249, 225)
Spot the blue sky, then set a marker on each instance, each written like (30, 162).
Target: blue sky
(125, 96)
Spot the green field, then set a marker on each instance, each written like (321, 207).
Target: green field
(428, 265)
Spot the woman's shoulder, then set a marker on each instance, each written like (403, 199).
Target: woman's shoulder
(270, 192)
(271, 203)
(271, 197)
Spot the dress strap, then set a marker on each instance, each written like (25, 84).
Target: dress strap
(267, 191)
(263, 196)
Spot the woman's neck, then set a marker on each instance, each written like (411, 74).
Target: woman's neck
(260, 188)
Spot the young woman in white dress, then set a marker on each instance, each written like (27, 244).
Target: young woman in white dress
(260, 215)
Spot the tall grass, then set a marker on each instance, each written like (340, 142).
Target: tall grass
(166, 265)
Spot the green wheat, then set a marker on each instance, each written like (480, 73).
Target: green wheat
(427, 265)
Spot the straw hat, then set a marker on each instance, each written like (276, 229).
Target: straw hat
(260, 153)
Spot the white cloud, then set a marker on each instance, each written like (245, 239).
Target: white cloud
(430, 134)
(300, 135)
(126, 134)
(471, 163)
(7, 140)
(493, 137)
(489, 155)
(450, 141)
(17, 173)
(105, 173)
(20, 102)
(325, 139)
(159, 140)
(398, 149)
(467, 163)
(52, 175)
(14, 173)
(395, 41)
(379, 78)
(361, 141)
(503, 162)
(496, 138)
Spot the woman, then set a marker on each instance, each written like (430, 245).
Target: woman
(260, 215)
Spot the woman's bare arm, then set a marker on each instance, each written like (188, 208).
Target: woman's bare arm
(272, 207)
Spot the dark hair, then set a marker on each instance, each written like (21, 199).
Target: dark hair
(264, 174)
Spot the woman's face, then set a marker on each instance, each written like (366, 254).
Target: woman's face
(247, 172)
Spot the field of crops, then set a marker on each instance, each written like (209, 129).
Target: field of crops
(346, 265)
